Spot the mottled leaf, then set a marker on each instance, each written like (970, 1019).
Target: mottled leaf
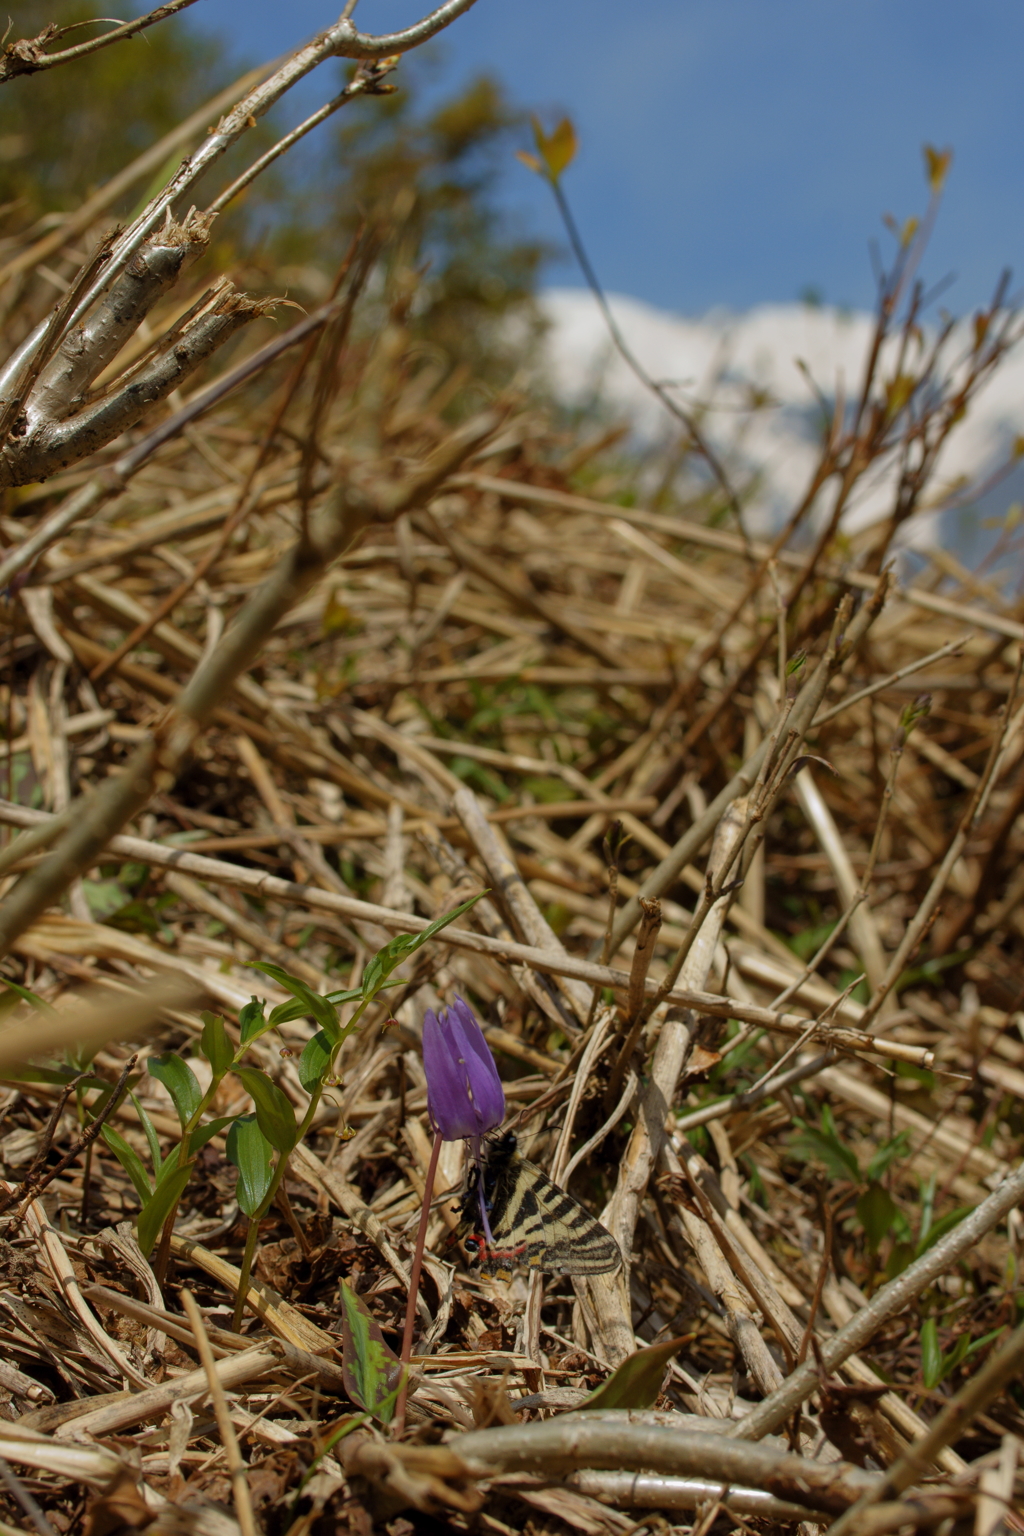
(372, 1371)
(636, 1383)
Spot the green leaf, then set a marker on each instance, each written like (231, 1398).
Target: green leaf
(29, 997)
(204, 1133)
(215, 1045)
(104, 898)
(130, 1161)
(314, 1061)
(941, 1227)
(961, 1349)
(825, 1146)
(251, 1152)
(931, 1354)
(274, 1111)
(153, 1140)
(172, 1165)
(976, 1344)
(344, 997)
(899, 1257)
(549, 791)
(350, 995)
(164, 1200)
(326, 1443)
(927, 1206)
(636, 1383)
(876, 1212)
(888, 1153)
(915, 1074)
(318, 1008)
(557, 148)
(380, 965)
(371, 1370)
(250, 1020)
(180, 1081)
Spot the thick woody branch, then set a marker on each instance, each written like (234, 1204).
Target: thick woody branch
(55, 448)
(361, 45)
(341, 40)
(86, 349)
(113, 478)
(624, 1441)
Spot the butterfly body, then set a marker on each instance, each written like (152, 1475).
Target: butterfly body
(534, 1224)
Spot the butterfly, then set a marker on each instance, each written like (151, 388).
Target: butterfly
(534, 1224)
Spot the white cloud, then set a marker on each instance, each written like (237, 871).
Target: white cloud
(722, 356)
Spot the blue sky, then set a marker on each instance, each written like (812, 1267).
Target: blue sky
(734, 152)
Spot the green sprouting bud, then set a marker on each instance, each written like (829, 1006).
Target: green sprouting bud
(795, 662)
(914, 712)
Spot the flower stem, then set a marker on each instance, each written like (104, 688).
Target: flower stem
(414, 1282)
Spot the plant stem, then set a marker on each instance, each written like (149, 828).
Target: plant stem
(414, 1282)
(268, 1200)
(163, 1254)
(251, 1239)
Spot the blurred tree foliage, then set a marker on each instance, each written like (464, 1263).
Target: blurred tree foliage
(426, 171)
(432, 171)
(65, 131)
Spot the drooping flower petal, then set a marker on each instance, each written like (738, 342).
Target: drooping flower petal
(464, 1092)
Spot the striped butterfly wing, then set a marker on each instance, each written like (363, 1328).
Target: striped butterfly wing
(537, 1225)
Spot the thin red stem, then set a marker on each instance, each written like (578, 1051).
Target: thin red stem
(414, 1282)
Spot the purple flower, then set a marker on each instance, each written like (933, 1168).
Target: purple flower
(464, 1093)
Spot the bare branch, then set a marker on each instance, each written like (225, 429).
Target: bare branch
(888, 1302)
(369, 81)
(151, 159)
(340, 40)
(26, 57)
(112, 479)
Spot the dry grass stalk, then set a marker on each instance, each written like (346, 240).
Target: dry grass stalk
(281, 704)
